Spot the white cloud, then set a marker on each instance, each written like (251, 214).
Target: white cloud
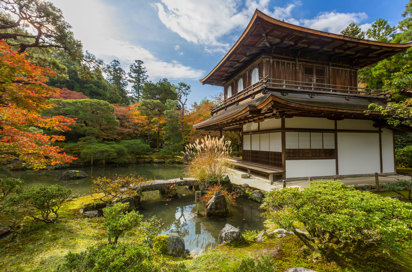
(206, 22)
(96, 26)
(334, 21)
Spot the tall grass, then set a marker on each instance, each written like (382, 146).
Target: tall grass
(208, 158)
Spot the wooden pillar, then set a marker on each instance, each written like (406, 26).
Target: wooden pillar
(221, 133)
(380, 151)
(283, 136)
(336, 148)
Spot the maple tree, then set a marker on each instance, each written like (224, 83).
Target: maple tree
(68, 94)
(24, 95)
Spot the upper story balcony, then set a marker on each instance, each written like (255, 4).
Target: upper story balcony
(275, 84)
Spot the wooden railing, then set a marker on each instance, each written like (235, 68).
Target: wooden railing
(279, 84)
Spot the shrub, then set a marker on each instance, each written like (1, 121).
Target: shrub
(46, 200)
(263, 264)
(149, 229)
(117, 187)
(12, 211)
(403, 156)
(230, 197)
(136, 147)
(117, 221)
(398, 186)
(208, 158)
(116, 258)
(340, 220)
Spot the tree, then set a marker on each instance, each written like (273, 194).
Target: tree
(28, 24)
(153, 110)
(183, 91)
(117, 188)
(46, 200)
(117, 220)
(67, 94)
(161, 90)
(380, 31)
(137, 77)
(117, 77)
(23, 96)
(94, 117)
(340, 221)
(173, 135)
(395, 76)
(12, 211)
(353, 31)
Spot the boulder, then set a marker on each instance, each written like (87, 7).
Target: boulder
(282, 235)
(74, 174)
(133, 201)
(230, 234)
(217, 206)
(91, 214)
(259, 238)
(279, 231)
(175, 245)
(94, 206)
(257, 196)
(299, 269)
(239, 191)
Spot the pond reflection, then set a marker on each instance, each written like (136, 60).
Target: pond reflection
(198, 232)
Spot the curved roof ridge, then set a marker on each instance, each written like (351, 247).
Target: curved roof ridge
(260, 15)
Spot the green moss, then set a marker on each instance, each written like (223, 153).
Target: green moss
(160, 244)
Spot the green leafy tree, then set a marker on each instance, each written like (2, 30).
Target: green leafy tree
(12, 211)
(137, 77)
(173, 134)
(153, 110)
(353, 31)
(46, 200)
(93, 117)
(118, 221)
(161, 90)
(117, 77)
(395, 75)
(340, 221)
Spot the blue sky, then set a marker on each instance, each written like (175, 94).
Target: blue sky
(183, 40)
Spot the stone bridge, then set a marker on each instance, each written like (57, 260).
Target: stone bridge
(162, 185)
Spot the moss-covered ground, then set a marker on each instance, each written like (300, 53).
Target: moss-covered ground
(40, 247)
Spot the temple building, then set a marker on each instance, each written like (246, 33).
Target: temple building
(294, 95)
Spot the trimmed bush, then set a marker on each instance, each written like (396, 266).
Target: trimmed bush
(45, 201)
(117, 221)
(341, 220)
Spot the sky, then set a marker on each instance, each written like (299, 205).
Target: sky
(183, 40)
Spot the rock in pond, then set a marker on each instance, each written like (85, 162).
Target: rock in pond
(299, 269)
(257, 196)
(230, 234)
(217, 206)
(74, 174)
(133, 201)
(175, 245)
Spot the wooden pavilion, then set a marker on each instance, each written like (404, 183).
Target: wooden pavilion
(293, 93)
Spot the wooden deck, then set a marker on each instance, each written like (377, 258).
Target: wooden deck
(271, 171)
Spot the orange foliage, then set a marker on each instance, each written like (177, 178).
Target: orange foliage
(199, 113)
(67, 94)
(230, 197)
(23, 96)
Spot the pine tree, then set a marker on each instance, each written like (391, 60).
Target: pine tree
(117, 77)
(353, 31)
(137, 77)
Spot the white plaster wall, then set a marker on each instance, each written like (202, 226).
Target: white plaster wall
(270, 123)
(358, 153)
(292, 139)
(309, 122)
(276, 142)
(356, 124)
(264, 142)
(387, 151)
(255, 142)
(250, 127)
(310, 168)
(328, 140)
(316, 141)
(304, 140)
(246, 142)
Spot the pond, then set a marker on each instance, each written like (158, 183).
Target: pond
(83, 186)
(178, 215)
